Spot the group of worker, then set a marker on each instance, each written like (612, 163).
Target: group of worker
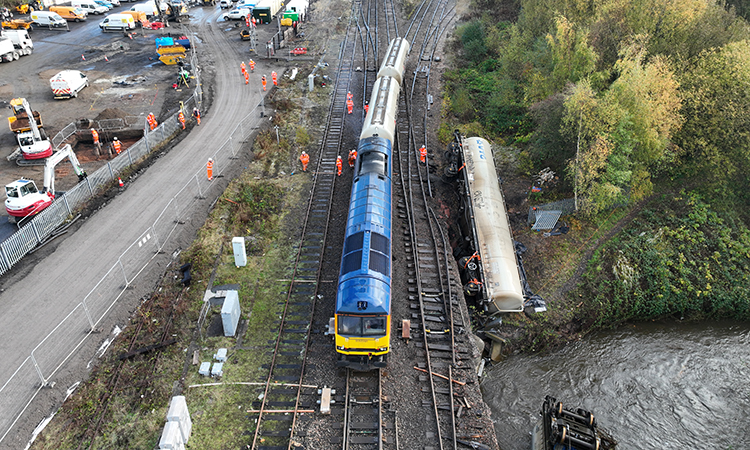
(116, 145)
(151, 120)
(305, 160)
(245, 73)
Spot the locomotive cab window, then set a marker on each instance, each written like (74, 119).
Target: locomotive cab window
(373, 162)
(352, 253)
(361, 326)
(379, 254)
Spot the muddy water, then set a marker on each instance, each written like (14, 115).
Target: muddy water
(652, 386)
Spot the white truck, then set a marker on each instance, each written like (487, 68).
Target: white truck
(23, 199)
(8, 51)
(68, 83)
(21, 41)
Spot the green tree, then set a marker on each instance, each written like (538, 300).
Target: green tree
(716, 135)
(566, 58)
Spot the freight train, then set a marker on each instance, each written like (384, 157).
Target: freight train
(363, 300)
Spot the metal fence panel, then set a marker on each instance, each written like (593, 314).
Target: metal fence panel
(132, 259)
(79, 194)
(50, 218)
(16, 393)
(59, 139)
(106, 292)
(56, 346)
(165, 224)
(22, 241)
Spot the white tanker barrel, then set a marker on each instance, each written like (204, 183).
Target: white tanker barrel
(394, 61)
(502, 281)
(381, 118)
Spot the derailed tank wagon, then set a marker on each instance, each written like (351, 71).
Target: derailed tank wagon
(489, 268)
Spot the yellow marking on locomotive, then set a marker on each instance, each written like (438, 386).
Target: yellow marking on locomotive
(374, 346)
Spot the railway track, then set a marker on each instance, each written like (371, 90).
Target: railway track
(284, 397)
(435, 316)
(363, 411)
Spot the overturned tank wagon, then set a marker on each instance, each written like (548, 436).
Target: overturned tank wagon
(488, 263)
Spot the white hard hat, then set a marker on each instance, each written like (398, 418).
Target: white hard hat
(115, 137)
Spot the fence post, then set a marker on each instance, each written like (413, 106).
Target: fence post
(88, 314)
(36, 232)
(119, 261)
(38, 370)
(130, 157)
(200, 193)
(111, 172)
(67, 206)
(176, 212)
(88, 183)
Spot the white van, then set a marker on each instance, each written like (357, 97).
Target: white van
(117, 22)
(89, 6)
(68, 83)
(48, 19)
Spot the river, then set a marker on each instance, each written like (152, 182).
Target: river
(652, 386)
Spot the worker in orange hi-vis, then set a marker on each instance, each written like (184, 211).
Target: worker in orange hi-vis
(274, 79)
(263, 81)
(247, 78)
(151, 119)
(349, 95)
(197, 115)
(116, 145)
(350, 105)
(95, 137)
(352, 157)
(339, 165)
(210, 169)
(247, 20)
(367, 107)
(253, 22)
(423, 154)
(304, 158)
(181, 118)
(243, 67)
(252, 66)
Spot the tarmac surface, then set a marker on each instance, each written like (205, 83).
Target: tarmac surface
(39, 292)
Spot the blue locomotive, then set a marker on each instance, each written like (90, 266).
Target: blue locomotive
(363, 300)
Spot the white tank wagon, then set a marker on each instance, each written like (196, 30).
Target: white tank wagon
(499, 287)
(381, 117)
(394, 62)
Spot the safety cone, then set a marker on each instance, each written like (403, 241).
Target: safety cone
(119, 181)
(83, 58)
(105, 58)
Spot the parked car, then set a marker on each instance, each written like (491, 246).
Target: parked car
(106, 4)
(237, 14)
(225, 4)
